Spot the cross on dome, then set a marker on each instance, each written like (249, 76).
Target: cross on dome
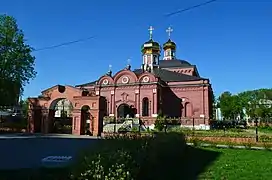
(151, 29)
(169, 30)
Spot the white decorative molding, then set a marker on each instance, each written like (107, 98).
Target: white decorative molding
(112, 92)
(97, 93)
(137, 91)
(105, 82)
(146, 79)
(125, 80)
(154, 115)
(111, 115)
(137, 115)
(202, 115)
(154, 90)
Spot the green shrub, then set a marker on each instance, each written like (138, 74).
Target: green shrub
(159, 124)
(135, 129)
(116, 157)
(128, 156)
(265, 138)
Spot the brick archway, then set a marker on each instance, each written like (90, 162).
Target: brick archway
(60, 116)
(42, 110)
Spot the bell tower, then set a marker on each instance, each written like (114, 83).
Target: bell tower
(169, 47)
(150, 52)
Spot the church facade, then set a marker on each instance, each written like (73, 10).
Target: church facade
(167, 86)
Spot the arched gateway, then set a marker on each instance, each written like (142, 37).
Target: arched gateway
(61, 116)
(63, 109)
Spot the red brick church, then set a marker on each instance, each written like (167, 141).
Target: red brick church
(169, 86)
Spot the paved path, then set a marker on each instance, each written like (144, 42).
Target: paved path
(21, 151)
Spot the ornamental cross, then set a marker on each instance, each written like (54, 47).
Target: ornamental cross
(151, 29)
(169, 30)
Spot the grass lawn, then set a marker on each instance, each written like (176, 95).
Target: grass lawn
(239, 164)
(213, 163)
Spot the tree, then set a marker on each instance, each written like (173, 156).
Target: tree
(258, 103)
(16, 62)
(230, 105)
(24, 104)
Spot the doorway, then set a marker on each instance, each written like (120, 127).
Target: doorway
(125, 110)
(86, 125)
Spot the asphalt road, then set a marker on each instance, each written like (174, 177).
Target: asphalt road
(18, 151)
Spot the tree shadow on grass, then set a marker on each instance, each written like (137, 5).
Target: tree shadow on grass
(177, 162)
(195, 161)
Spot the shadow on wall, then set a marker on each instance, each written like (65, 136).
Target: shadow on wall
(171, 104)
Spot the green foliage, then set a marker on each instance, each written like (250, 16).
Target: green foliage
(256, 103)
(230, 105)
(24, 104)
(135, 129)
(16, 61)
(99, 169)
(117, 157)
(128, 157)
(160, 122)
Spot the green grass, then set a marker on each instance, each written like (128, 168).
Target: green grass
(239, 164)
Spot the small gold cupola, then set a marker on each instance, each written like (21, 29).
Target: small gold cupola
(169, 47)
(151, 52)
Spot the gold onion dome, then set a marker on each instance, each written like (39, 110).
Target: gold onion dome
(150, 45)
(169, 44)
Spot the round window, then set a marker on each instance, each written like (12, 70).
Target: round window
(105, 82)
(125, 80)
(146, 79)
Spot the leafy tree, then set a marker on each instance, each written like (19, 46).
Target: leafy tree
(24, 106)
(16, 61)
(230, 105)
(256, 103)
(214, 105)
(224, 101)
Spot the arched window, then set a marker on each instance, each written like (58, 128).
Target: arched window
(145, 104)
(188, 110)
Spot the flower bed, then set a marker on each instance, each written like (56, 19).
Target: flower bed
(248, 142)
(237, 140)
(11, 130)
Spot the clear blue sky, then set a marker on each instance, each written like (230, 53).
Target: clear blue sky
(230, 41)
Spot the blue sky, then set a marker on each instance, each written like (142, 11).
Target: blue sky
(229, 40)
